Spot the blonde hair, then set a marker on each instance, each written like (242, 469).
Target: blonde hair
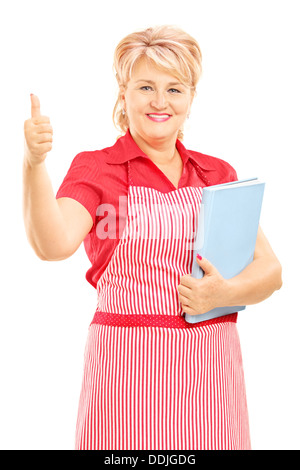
(170, 48)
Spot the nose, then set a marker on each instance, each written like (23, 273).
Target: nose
(159, 101)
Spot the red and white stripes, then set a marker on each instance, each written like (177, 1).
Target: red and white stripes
(154, 251)
(162, 389)
(158, 387)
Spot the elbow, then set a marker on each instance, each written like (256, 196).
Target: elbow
(54, 257)
(279, 281)
(53, 254)
(54, 251)
(37, 251)
(276, 275)
(43, 257)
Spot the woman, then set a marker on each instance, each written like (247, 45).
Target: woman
(151, 380)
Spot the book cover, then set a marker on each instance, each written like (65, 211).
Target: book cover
(226, 233)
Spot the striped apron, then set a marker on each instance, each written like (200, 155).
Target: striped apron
(151, 380)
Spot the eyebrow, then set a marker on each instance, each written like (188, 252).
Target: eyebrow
(153, 83)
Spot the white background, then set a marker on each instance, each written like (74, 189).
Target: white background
(246, 112)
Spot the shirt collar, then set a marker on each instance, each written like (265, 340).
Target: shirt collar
(126, 149)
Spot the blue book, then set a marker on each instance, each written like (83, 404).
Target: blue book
(226, 233)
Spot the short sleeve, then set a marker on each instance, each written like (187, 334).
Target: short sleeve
(232, 175)
(82, 182)
(225, 173)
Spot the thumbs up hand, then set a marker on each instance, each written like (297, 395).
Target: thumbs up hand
(38, 134)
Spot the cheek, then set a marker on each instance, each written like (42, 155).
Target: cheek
(135, 102)
(182, 107)
(136, 111)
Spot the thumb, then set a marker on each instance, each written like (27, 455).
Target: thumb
(205, 265)
(35, 106)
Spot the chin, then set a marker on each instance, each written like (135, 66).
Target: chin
(160, 134)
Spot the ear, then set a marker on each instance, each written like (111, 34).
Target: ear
(122, 90)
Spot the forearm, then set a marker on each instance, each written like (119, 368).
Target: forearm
(44, 224)
(255, 283)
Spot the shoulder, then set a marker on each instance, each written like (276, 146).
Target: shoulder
(93, 159)
(220, 171)
(119, 152)
(92, 156)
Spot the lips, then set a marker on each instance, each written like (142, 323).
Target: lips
(158, 117)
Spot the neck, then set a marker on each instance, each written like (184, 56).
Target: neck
(161, 151)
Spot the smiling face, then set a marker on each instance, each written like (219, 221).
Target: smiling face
(156, 103)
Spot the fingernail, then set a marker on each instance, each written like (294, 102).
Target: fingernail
(199, 257)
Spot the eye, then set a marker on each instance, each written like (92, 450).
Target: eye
(146, 88)
(174, 90)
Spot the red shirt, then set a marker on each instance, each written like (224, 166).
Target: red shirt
(100, 177)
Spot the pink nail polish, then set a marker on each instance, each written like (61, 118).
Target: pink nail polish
(199, 257)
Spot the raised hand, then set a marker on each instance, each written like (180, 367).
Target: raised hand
(38, 134)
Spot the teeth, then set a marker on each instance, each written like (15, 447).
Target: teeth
(161, 116)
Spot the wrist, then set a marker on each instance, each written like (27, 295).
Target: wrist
(29, 162)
